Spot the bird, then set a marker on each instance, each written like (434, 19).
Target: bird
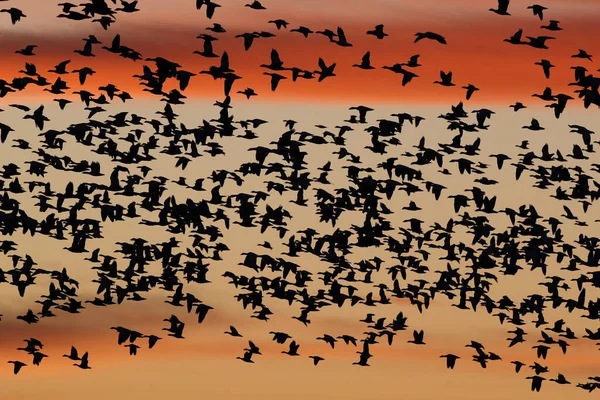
(431, 36)
(293, 349)
(325, 70)
(446, 79)
(38, 117)
(470, 90)
(233, 332)
(248, 39)
(546, 65)
(582, 54)
(132, 349)
(17, 365)
(518, 365)
(248, 92)
(552, 26)
(534, 125)
(279, 23)
(516, 38)
(362, 112)
(152, 340)
(536, 382)
(537, 10)
(316, 359)
(38, 357)
(73, 355)
(502, 8)
(341, 38)
(302, 30)
(450, 360)
(256, 5)
(365, 62)
(27, 50)
(210, 7)
(560, 379)
(335, 190)
(417, 337)
(83, 362)
(377, 32)
(517, 106)
(275, 79)
(276, 63)
(217, 28)
(15, 14)
(247, 357)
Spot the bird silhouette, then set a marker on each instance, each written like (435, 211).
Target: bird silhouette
(387, 208)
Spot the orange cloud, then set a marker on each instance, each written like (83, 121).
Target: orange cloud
(475, 54)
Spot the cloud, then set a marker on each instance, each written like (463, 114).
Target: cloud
(503, 72)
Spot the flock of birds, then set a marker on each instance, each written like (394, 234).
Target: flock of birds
(530, 241)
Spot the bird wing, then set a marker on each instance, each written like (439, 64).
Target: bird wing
(275, 60)
(341, 35)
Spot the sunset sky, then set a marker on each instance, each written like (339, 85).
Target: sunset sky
(204, 364)
(475, 52)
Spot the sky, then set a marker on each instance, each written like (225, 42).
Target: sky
(204, 364)
(475, 54)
